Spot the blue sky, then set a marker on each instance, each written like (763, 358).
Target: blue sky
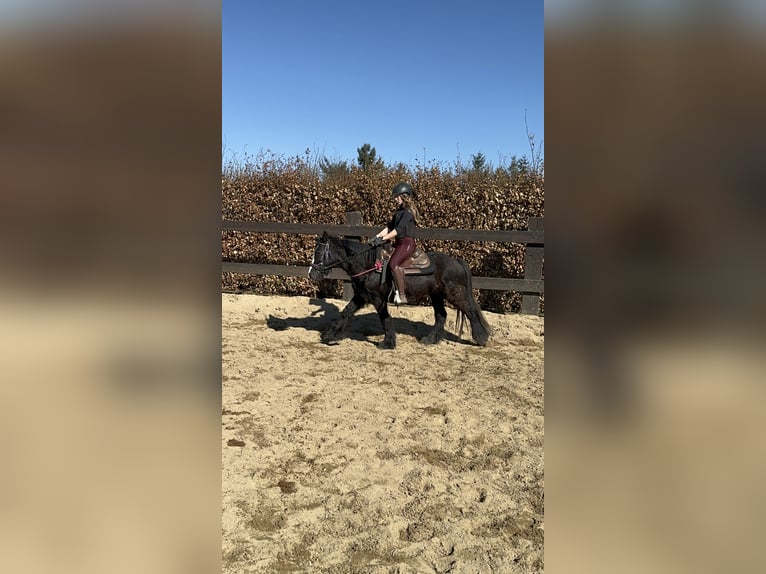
(419, 80)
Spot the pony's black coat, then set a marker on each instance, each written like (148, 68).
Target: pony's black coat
(450, 282)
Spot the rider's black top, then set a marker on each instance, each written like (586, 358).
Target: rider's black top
(403, 222)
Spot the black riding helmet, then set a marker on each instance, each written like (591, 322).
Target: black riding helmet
(402, 189)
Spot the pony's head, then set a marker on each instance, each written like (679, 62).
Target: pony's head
(321, 263)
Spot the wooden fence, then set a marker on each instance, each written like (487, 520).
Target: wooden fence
(531, 286)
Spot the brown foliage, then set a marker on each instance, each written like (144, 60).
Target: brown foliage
(292, 191)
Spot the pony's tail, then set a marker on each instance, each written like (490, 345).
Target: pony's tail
(480, 329)
(460, 322)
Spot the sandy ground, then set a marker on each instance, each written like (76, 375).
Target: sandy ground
(350, 459)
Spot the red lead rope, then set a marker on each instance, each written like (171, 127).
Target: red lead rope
(378, 267)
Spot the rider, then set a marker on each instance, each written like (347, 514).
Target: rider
(401, 227)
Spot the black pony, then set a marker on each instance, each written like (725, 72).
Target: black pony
(450, 281)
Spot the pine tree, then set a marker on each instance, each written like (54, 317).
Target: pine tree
(367, 157)
(479, 162)
(333, 170)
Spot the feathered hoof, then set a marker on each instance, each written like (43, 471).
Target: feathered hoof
(431, 339)
(329, 339)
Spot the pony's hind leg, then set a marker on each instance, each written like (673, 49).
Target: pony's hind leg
(465, 302)
(463, 299)
(479, 326)
(440, 315)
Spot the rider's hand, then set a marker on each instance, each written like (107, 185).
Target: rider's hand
(375, 241)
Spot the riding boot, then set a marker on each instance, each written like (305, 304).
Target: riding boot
(400, 298)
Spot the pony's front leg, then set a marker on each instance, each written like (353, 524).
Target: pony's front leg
(389, 340)
(337, 329)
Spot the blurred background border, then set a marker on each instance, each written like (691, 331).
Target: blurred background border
(110, 290)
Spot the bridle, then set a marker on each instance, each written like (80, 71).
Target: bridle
(325, 267)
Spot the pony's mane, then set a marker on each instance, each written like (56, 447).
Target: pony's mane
(351, 246)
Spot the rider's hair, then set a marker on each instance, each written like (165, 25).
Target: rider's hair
(408, 202)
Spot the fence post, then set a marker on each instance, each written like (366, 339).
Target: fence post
(533, 268)
(352, 218)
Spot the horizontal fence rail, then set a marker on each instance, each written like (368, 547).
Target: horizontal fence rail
(501, 236)
(531, 286)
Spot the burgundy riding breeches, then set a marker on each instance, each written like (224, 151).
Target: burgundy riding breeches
(403, 248)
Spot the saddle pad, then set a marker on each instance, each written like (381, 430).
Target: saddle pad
(418, 262)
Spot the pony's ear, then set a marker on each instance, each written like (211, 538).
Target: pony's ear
(325, 236)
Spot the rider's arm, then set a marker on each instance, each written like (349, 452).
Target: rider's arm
(388, 235)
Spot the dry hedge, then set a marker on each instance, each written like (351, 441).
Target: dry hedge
(293, 191)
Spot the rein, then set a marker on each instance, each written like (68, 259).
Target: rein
(326, 267)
